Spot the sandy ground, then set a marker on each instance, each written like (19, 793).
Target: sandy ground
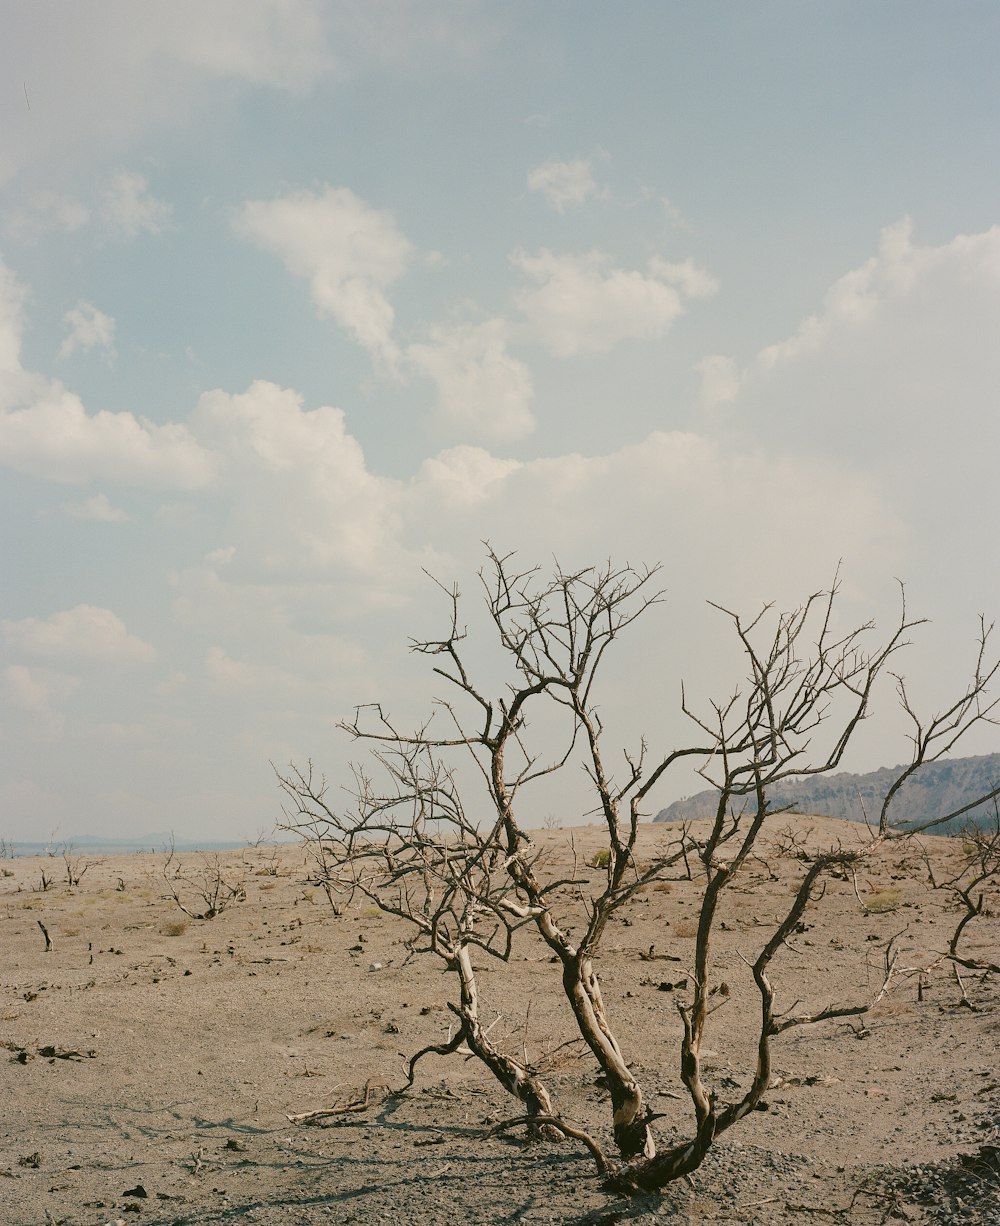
(150, 1061)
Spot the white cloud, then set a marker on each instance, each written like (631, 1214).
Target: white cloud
(890, 277)
(45, 211)
(720, 379)
(579, 508)
(349, 252)
(464, 476)
(125, 207)
(307, 664)
(901, 344)
(119, 71)
(689, 277)
(84, 633)
(30, 690)
(128, 207)
(11, 330)
(482, 389)
(301, 493)
(46, 432)
(279, 43)
(97, 508)
(319, 540)
(11, 325)
(674, 215)
(56, 439)
(241, 675)
(582, 303)
(119, 74)
(42, 694)
(895, 379)
(88, 327)
(563, 184)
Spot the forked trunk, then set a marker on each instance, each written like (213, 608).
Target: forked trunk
(631, 1128)
(514, 1076)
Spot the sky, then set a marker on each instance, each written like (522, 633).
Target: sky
(304, 300)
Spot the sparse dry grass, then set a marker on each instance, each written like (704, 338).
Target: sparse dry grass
(883, 901)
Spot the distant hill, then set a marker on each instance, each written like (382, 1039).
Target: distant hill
(936, 789)
(92, 844)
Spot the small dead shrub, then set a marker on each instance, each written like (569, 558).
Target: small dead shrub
(175, 928)
(205, 891)
(76, 866)
(268, 867)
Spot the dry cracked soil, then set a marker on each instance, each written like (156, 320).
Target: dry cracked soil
(151, 1060)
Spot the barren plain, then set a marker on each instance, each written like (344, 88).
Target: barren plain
(151, 1061)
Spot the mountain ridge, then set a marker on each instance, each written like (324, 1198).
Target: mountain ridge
(935, 789)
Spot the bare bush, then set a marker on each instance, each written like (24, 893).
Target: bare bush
(205, 889)
(75, 864)
(432, 832)
(975, 891)
(268, 866)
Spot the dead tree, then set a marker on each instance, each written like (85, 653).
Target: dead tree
(466, 883)
(975, 889)
(75, 865)
(979, 879)
(205, 891)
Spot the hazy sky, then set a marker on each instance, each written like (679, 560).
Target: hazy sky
(299, 298)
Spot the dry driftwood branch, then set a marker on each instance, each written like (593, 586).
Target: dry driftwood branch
(354, 1105)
